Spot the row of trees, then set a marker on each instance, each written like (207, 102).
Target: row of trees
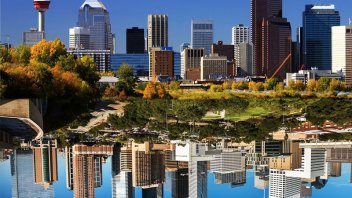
(322, 85)
(46, 70)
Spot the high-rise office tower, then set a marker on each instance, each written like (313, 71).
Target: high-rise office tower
(202, 35)
(45, 162)
(198, 179)
(32, 37)
(94, 16)
(161, 62)
(190, 63)
(240, 34)
(271, 37)
(341, 51)
(158, 31)
(135, 42)
(79, 38)
(317, 23)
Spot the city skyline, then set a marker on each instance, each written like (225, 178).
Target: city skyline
(179, 23)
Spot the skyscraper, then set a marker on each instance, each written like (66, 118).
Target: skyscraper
(271, 37)
(341, 51)
(79, 38)
(244, 59)
(317, 23)
(135, 42)
(158, 31)
(280, 185)
(202, 35)
(94, 16)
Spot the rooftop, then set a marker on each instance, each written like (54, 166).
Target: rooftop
(93, 4)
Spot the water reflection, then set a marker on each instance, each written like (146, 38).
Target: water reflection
(177, 168)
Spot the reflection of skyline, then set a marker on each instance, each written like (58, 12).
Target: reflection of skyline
(84, 168)
(22, 171)
(45, 162)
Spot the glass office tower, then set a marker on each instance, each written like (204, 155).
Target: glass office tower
(317, 23)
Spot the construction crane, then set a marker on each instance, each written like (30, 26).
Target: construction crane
(288, 58)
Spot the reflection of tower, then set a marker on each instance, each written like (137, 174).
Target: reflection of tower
(282, 186)
(156, 192)
(121, 179)
(87, 168)
(229, 167)
(351, 174)
(198, 179)
(22, 176)
(69, 168)
(41, 6)
(179, 183)
(45, 162)
(335, 170)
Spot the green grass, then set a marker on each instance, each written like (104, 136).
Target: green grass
(251, 112)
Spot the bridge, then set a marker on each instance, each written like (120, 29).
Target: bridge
(21, 118)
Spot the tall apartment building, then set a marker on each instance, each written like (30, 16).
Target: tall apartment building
(317, 23)
(79, 38)
(158, 31)
(213, 67)
(281, 185)
(342, 51)
(190, 63)
(202, 35)
(271, 37)
(94, 16)
(161, 62)
(45, 162)
(240, 34)
(135, 42)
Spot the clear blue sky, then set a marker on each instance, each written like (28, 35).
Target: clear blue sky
(19, 15)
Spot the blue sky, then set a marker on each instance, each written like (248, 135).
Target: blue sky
(19, 15)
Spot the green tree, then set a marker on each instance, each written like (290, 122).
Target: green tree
(44, 79)
(5, 55)
(323, 84)
(86, 69)
(271, 83)
(126, 75)
(21, 54)
(67, 63)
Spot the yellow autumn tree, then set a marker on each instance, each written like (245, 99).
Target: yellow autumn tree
(48, 52)
(150, 92)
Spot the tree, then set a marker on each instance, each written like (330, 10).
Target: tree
(48, 52)
(110, 92)
(323, 84)
(161, 90)
(67, 63)
(150, 92)
(226, 86)
(21, 54)
(86, 69)
(125, 74)
(336, 85)
(5, 55)
(174, 85)
(44, 79)
(312, 86)
(216, 88)
(271, 83)
(251, 86)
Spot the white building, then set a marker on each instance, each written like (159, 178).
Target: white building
(313, 74)
(202, 35)
(228, 162)
(280, 185)
(79, 38)
(341, 51)
(122, 185)
(313, 164)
